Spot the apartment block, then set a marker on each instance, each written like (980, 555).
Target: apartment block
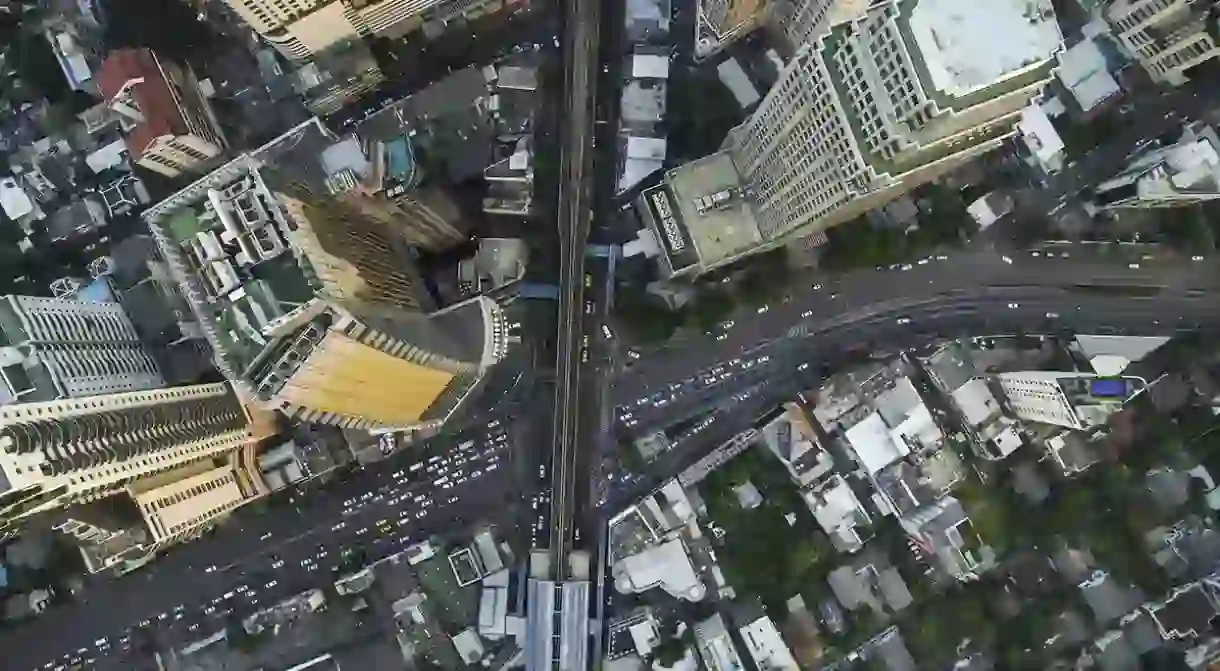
(871, 109)
(1183, 173)
(301, 28)
(168, 123)
(57, 348)
(310, 299)
(1168, 37)
(1071, 400)
(75, 451)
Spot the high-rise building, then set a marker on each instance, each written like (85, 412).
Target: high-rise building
(1168, 37)
(1072, 400)
(310, 299)
(804, 21)
(167, 121)
(865, 112)
(54, 348)
(56, 454)
(301, 28)
(1183, 173)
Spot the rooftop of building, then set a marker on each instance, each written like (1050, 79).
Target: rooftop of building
(971, 46)
(643, 103)
(1084, 71)
(151, 93)
(719, 230)
(449, 120)
(647, 19)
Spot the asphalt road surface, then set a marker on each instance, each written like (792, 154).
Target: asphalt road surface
(893, 291)
(256, 560)
(573, 220)
(745, 388)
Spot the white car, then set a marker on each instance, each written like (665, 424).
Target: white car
(1133, 266)
(804, 366)
(1196, 258)
(1006, 259)
(1014, 306)
(903, 321)
(763, 309)
(1052, 315)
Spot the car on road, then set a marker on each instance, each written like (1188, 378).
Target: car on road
(1196, 258)
(728, 325)
(1014, 306)
(903, 321)
(807, 313)
(1052, 315)
(1006, 259)
(763, 309)
(633, 354)
(1133, 266)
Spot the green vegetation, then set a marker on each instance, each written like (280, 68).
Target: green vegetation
(762, 554)
(942, 222)
(760, 279)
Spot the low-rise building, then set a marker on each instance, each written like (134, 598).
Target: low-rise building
(840, 514)
(869, 581)
(1071, 400)
(716, 645)
(766, 647)
(1179, 174)
(943, 529)
(169, 124)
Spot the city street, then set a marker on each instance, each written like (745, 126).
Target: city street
(891, 291)
(256, 559)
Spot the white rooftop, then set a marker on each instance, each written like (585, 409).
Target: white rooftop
(666, 566)
(975, 401)
(835, 507)
(1083, 71)
(14, 200)
(733, 77)
(649, 66)
(970, 45)
(107, 156)
(871, 441)
(766, 647)
(1041, 137)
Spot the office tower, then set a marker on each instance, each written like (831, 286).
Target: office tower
(873, 108)
(804, 21)
(167, 121)
(1071, 400)
(55, 454)
(1183, 173)
(301, 28)
(54, 348)
(1168, 37)
(311, 301)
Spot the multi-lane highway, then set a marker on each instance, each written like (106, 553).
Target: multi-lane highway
(580, 45)
(258, 559)
(891, 291)
(735, 392)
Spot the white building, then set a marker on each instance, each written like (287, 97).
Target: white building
(666, 566)
(835, 506)
(1071, 400)
(1168, 37)
(80, 450)
(57, 348)
(863, 114)
(1183, 173)
(716, 646)
(766, 647)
